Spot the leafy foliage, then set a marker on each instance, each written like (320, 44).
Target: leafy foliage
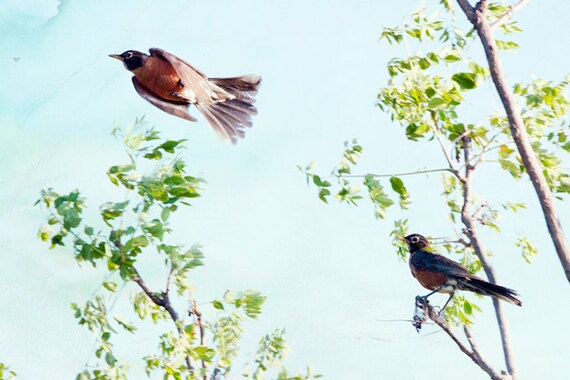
(426, 95)
(6, 373)
(138, 225)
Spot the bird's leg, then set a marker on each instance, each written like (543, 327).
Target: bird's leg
(449, 299)
(434, 291)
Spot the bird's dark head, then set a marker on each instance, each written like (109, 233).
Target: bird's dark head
(132, 59)
(415, 242)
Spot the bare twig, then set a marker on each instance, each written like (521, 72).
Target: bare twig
(473, 354)
(508, 14)
(444, 148)
(194, 311)
(422, 171)
(475, 349)
(471, 232)
(477, 16)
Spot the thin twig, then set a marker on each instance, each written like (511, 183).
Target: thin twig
(422, 171)
(508, 14)
(436, 317)
(198, 315)
(471, 233)
(444, 148)
(475, 349)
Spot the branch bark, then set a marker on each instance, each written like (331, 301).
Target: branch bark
(194, 311)
(471, 232)
(473, 354)
(477, 17)
(508, 14)
(163, 301)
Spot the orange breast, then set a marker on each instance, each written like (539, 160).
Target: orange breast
(160, 77)
(427, 278)
(430, 280)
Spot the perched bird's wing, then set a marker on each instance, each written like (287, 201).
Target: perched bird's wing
(197, 88)
(423, 260)
(180, 110)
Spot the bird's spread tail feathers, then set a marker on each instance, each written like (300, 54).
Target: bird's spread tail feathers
(229, 118)
(480, 286)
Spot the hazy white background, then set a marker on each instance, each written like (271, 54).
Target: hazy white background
(330, 272)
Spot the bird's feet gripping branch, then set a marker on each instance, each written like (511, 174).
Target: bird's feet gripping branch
(442, 275)
(172, 85)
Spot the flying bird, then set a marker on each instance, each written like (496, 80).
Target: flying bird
(442, 275)
(172, 85)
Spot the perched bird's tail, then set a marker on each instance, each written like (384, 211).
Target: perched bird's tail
(485, 288)
(230, 117)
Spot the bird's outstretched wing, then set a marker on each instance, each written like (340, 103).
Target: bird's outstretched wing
(197, 88)
(424, 260)
(176, 109)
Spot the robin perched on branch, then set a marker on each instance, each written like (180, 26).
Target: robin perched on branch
(442, 275)
(173, 85)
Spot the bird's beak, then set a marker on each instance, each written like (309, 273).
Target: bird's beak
(117, 56)
(402, 239)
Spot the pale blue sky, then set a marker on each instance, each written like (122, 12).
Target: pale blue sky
(329, 272)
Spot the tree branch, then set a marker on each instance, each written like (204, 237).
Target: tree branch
(471, 232)
(468, 333)
(425, 171)
(477, 16)
(435, 130)
(473, 354)
(198, 315)
(508, 14)
(162, 301)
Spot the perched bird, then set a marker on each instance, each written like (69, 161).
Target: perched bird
(442, 275)
(173, 85)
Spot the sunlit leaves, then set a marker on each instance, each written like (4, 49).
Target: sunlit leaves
(6, 373)
(377, 195)
(466, 81)
(137, 224)
(506, 45)
(112, 210)
(528, 249)
(401, 229)
(122, 174)
(144, 307)
(461, 311)
(250, 301)
(166, 147)
(399, 187)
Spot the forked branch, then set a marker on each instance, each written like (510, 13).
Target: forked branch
(478, 17)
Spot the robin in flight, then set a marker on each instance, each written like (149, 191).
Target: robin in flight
(172, 85)
(442, 275)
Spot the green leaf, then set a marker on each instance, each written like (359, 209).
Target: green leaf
(110, 286)
(436, 102)
(466, 81)
(467, 308)
(204, 353)
(398, 185)
(452, 58)
(320, 183)
(110, 359)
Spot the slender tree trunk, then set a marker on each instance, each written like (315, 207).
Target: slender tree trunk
(477, 16)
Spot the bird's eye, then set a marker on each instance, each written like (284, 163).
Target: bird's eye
(415, 239)
(128, 55)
